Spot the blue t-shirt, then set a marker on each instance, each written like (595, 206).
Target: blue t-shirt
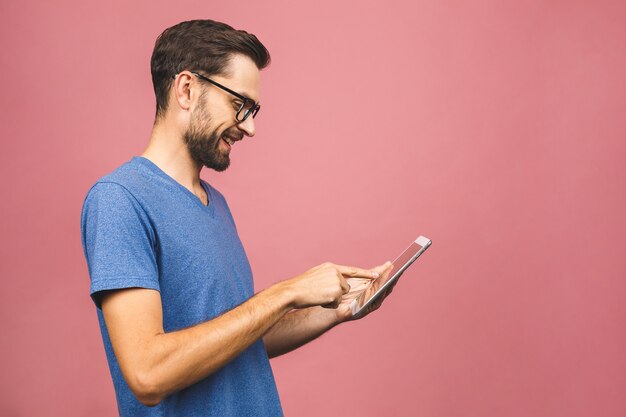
(141, 228)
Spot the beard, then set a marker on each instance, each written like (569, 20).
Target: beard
(203, 142)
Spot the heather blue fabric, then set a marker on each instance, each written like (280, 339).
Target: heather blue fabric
(141, 228)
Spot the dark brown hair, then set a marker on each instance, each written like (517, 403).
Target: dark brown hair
(199, 45)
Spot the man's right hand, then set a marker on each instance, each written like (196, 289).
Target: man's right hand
(324, 284)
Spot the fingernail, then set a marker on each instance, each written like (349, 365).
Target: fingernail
(375, 274)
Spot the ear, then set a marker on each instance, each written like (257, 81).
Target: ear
(182, 90)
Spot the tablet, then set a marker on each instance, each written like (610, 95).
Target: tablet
(402, 262)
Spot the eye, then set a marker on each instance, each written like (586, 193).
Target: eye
(237, 104)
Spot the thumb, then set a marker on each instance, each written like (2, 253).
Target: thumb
(382, 268)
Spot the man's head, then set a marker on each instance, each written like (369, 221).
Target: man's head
(194, 64)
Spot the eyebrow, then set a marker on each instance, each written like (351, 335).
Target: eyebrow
(242, 93)
(229, 89)
(245, 95)
(248, 96)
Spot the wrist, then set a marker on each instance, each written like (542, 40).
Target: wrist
(286, 294)
(342, 315)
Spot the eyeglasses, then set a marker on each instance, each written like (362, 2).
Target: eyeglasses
(248, 106)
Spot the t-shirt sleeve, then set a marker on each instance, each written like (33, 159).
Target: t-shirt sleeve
(118, 241)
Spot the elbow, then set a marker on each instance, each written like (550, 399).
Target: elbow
(148, 400)
(146, 390)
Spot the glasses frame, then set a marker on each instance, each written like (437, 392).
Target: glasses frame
(245, 100)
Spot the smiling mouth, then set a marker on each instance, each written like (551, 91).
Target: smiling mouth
(229, 140)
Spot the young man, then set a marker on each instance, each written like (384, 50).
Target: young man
(183, 331)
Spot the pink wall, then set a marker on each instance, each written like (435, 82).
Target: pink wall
(495, 128)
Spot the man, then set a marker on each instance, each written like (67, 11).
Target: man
(183, 331)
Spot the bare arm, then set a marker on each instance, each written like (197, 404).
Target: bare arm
(155, 363)
(299, 327)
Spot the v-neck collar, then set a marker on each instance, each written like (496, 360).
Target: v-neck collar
(210, 207)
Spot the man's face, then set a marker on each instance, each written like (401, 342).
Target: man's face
(207, 129)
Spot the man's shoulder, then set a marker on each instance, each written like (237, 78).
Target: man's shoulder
(127, 175)
(118, 197)
(131, 177)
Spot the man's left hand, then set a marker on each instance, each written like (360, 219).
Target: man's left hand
(359, 286)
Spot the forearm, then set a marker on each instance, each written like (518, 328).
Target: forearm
(155, 363)
(178, 359)
(297, 328)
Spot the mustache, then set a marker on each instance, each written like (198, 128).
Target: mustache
(234, 134)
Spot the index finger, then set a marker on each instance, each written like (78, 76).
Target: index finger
(354, 272)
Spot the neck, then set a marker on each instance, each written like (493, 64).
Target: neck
(168, 151)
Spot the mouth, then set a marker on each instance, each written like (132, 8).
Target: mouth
(229, 140)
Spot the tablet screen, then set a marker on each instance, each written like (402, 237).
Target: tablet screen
(401, 263)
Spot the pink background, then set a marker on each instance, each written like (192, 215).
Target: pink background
(495, 128)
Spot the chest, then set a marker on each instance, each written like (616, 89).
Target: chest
(202, 265)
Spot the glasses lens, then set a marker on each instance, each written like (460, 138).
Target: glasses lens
(246, 109)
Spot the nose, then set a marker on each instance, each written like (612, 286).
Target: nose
(247, 126)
